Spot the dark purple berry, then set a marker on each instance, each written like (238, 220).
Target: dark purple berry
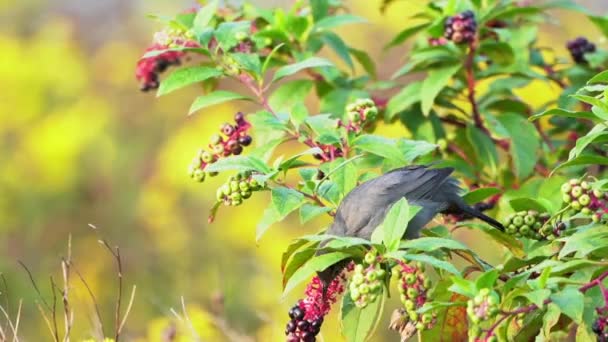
(239, 118)
(303, 325)
(307, 337)
(291, 327)
(298, 313)
(597, 327)
(245, 140)
(232, 144)
(293, 338)
(237, 150)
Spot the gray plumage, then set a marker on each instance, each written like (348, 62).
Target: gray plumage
(366, 206)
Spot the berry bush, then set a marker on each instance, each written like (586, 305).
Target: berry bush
(459, 101)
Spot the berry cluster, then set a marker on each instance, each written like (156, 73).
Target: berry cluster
(578, 48)
(413, 290)
(238, 188)
(235, 137)
(585, 200)
(481, 308)
(360, 113)
(461, 28)
(529, 224)
(600, 328)
(306, 317)
(366, 282)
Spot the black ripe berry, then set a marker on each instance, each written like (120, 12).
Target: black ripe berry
(239, 118)
(245, 140)
(299, 329)
(578, 48)
(461, 28)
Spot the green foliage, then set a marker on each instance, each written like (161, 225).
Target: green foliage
(511, 159)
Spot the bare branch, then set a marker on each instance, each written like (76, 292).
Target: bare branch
(92, 295)
(124, 317)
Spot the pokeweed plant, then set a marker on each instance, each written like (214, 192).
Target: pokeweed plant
(540, 168)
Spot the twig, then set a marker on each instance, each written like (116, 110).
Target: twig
(46, 319)
(54, 311)
(17, 320)
(68, 316)
(86, 285)
(116, 255)
(126, 314)
(13, 329)
(189, 321)
(6, 297)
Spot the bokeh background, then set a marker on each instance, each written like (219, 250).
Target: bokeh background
(79, 145)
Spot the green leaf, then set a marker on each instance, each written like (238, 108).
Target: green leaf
(186, 76)
(484, 147)
(339, 47)
(564, 113)
(592, 101)
(486, 280)
(204, 16)
(526, 203)
(214, 98)
(602, 77)
(429, 244)
(583, 160)
(345, 176)
(601, 23)
(425, 258)
(286, 200)
(464, 287)
(365, 60)
(550, 319)
(585, 242)
(510, 242)
(297, 261)
(412, 149)
(537, 297)
(337, 20)
(314, 265)
(571, 302)
(239, 163)
(524, 143)
(405, 35)
(380, 146)
(299, 113)
(479, 195)
(395, 223)
(248, 61)
(358, 324)
(290, 94)
(436, 80)
(312, 62)
(310, 211)
(596, 132)
(293, 247)
(405, 98)
(498, 52)
(269, 217)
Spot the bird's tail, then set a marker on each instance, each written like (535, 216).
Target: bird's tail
(478, 214)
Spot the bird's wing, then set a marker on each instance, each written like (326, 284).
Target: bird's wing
(366, 206)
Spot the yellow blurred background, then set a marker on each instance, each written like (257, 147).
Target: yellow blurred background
(79, 145)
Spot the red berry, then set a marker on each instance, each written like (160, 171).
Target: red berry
(227, 129)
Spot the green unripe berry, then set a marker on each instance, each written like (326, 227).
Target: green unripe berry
(537, 225)
(354, 294)
(484, 292)
(234, 186)
(410, 279)
(598, 193)
(576, 205)
(412, 292)
(226, 189)
(419, 326)
(566, 198)
(219, 195)
(254, 184)
(218, 149)
(199, 175)
(584, 200)
(244, 186)
(358, 279)
(370, 258)
(364, 289)
(236, 202)
(525, 229)
(566, 188)
(413, 315)
(575, 181)
(235, 196)
(409, 304)
(371, 276)
(518, 221)
(475, 319)
(380, 273)
(576, 192)
(585, 211)
(585, 185)
(207, 157)
(595, 218)
(373, 297)
(403, 298)
(427, 283)
(246, 194)
(375, 286)
(213, 173)
(359, 268)
(529, 220)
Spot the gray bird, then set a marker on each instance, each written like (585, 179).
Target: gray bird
(365, 207)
